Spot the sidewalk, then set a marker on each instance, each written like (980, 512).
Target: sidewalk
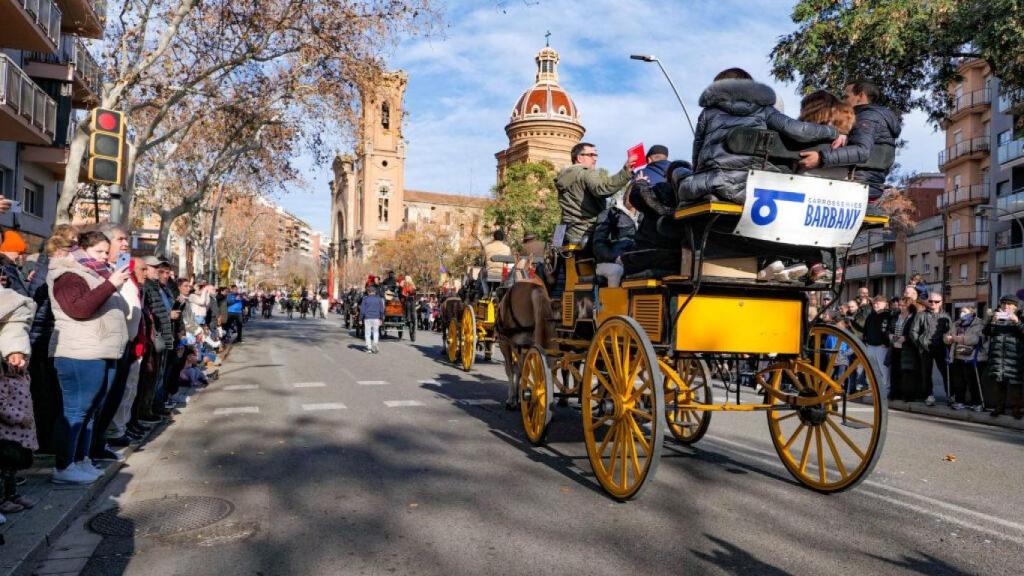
(965, 415)
(27, 535)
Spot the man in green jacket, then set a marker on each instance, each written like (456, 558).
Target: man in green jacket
(582, 190)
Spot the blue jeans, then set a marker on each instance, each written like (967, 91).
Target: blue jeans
(83, 385)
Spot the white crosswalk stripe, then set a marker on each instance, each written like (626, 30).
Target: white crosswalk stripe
(236, 387)
(324, 406)
(309, 385)
(236, 410)
(372, 383)
(402, 403)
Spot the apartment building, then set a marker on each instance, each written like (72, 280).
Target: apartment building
(47, 80)
(966, 164)
(1007, 191)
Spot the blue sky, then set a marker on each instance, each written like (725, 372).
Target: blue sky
(464, 82)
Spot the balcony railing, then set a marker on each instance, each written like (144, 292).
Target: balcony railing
(24, 97)
(1010, 204)
(46, 15)
(1010, 151)
(971, 99)
(975, 192)
(976, 239)
(84, 17)
(72, 52)
(1010, 257)
(964, 148)
(1010, 99)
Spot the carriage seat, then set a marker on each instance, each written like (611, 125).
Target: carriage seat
(592, 279)
(768, 143)
(653, 274)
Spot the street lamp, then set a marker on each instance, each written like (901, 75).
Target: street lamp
(650, 58)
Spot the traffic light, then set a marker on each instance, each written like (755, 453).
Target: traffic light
(106, 146)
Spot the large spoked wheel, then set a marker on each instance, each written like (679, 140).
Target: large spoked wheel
(688, 383)
(452, 340)
(622, 399)
(535, 394)
(467, 337)
(825, 443)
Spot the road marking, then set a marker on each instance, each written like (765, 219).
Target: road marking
(372, 382)
(957, 512)
(309, 385)
(429, 382)
(477, 401)
(236, 410)
(235, 387)
(324, 406)
(402, 403)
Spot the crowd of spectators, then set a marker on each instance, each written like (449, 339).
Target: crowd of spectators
(99, 347)
(912, 339)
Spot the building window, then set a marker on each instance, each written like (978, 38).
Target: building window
(6, 182)
(561, 110)
(1003, 138)
(535, 109)
(385, 115)
(383, 195)
(958, 136)
(913, 264)
(957, 180)
(1003, 188)
(963, 273)
(34, 198)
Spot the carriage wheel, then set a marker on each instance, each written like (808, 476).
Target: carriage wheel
(820, 447)
(535, 395)
(468, 335)
(622, 400)
(452, 340)
(687, 384)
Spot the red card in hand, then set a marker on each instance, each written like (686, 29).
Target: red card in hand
(637, 152)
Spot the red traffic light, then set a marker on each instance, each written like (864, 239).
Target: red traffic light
(107, 121)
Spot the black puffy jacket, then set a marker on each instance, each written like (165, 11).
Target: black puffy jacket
(42, 322)
(875, 126)
(161, 315)
(732, 104)
(653, 202)
(613, 234)
(1005, 350)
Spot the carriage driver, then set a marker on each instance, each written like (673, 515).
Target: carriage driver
(582, 190)
(496, 247)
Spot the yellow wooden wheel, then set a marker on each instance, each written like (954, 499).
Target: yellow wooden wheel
(829, 417)
(536, 393)
(467, 339)
(686, 384)
(622, 400)
(452, 340)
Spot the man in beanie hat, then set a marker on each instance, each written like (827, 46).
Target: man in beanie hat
(12, 256)
(656, 170)
(1005, 351)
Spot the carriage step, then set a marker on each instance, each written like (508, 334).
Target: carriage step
(854, 425)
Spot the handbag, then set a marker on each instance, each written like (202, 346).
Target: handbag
(17, 421)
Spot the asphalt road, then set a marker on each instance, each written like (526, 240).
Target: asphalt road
(338, 462)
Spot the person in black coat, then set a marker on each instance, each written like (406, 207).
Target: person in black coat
(876, 126)
(735, 100)
(1005, 353)
(613, 236)
(151, 384)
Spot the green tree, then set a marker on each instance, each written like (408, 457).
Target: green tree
(910, 48)
(526, 202)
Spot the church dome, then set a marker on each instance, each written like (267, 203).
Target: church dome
(546, 100)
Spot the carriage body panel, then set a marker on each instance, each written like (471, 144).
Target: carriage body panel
(611, 302)
(740, 324)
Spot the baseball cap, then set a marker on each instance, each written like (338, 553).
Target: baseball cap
(155, 261)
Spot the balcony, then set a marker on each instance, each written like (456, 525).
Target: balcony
(974, 148)
(1010, 204)
(1010, 151)
(73, 64)
(963, 196)
(27, 114)
(55, 157)
(84, 18)
(30, 25)
(1011, 102)
(1009, 257)
(964, 242)
(876, 269)
(977, 101)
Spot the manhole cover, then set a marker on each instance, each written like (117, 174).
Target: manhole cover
(161, 517)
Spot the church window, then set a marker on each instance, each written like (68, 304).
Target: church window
(535, 109)
(561, 110)
(546, 66)
(382, 204)
(385, 115)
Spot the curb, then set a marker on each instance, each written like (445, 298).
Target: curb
(1005, 421)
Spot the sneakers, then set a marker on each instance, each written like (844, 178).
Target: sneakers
(106, 455)
(929, 401)
(979, 408)
(769, 271)
(778, 273)
(957, 406)
(89, 468)
(72, 475)
(120, 441)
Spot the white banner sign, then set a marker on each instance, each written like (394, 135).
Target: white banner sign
(802, 210)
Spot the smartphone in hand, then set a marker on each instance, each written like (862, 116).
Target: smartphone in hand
(123, 260)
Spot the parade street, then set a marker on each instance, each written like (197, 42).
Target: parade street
(309, 456)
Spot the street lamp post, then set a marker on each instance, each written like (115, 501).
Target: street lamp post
(649, 58)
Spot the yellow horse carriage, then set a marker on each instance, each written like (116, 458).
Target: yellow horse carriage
(636, 356)
(470, 329)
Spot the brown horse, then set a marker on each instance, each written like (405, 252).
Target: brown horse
(523, 319)
(451, 308)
